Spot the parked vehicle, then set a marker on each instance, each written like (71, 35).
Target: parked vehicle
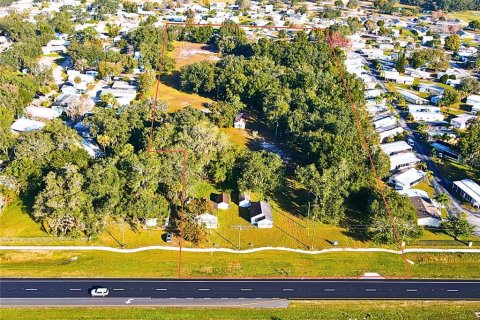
(410, 142)
(168, 238)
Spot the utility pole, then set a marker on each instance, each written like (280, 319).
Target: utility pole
(308, 220)
(313, 232)
(240, 228)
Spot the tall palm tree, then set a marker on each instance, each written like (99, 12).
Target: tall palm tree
(429, 175)
(443, 199)
(421, 166)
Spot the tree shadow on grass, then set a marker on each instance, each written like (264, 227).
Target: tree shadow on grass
(172, 80)
(357, 217)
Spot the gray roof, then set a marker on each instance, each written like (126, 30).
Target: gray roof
(261, 207)
(424, 209)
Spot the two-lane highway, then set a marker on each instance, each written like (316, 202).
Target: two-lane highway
(30, 289)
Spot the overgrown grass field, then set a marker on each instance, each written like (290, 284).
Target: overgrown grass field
(261, 264)
(301, 310)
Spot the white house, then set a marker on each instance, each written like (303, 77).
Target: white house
(26, 125)
(405, 80)
(469, 190)
(76, 75)
(244, 200)
(41, 113)
(261, 214)
(372, 93)
(124, 97)
(462, 121)
(417, 73)
(425, 113)
(406, 179)
(92, 148)
(386, 132)
(427, 116)
(221, 201)
(376, 109)
(209, 220)
(151, 222)
(413, 98)
(395, 147)
(239, 122)
(474, 101)
(432, 89)
(384, 121)
(390, 75)
(403, 160)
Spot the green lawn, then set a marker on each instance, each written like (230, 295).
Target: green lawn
(466, 16)
(293, 231)
(425, 186)
(301, 310)
(15, 222)
(457, 171)
(260, 264)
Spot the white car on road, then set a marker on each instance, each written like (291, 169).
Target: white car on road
(99, 292)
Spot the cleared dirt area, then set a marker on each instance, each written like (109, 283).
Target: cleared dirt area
(188, 53)
(184, 53)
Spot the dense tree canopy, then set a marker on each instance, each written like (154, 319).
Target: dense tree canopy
(298, 90)
(469, 144)
(449, 5)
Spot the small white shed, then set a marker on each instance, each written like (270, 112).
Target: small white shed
(209, 220)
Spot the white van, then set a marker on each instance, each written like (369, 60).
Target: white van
(410, 142)
(99, 292)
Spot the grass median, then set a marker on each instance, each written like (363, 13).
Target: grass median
(297, 310)
(261, 264)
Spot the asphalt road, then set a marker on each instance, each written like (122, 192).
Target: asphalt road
(29, 289)
(144, 302)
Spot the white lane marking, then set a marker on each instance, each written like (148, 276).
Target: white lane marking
(189, 298)
(452, 290)
(31, 289)
(203, 289)
(129, 301)
(161, 289)
(224, 298)
(75, 289)
(412, 290)
(207, 298)
(328, 289)
(371, 290)
(118, 289)
(288, 289)
(246, 289)
(258, 298)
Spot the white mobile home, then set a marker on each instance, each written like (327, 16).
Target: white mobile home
(403, 160)
(468, 190)
(395, 147)
(406, 179)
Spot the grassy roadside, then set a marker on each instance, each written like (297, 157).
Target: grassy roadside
(261, 264)
(298, 310)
